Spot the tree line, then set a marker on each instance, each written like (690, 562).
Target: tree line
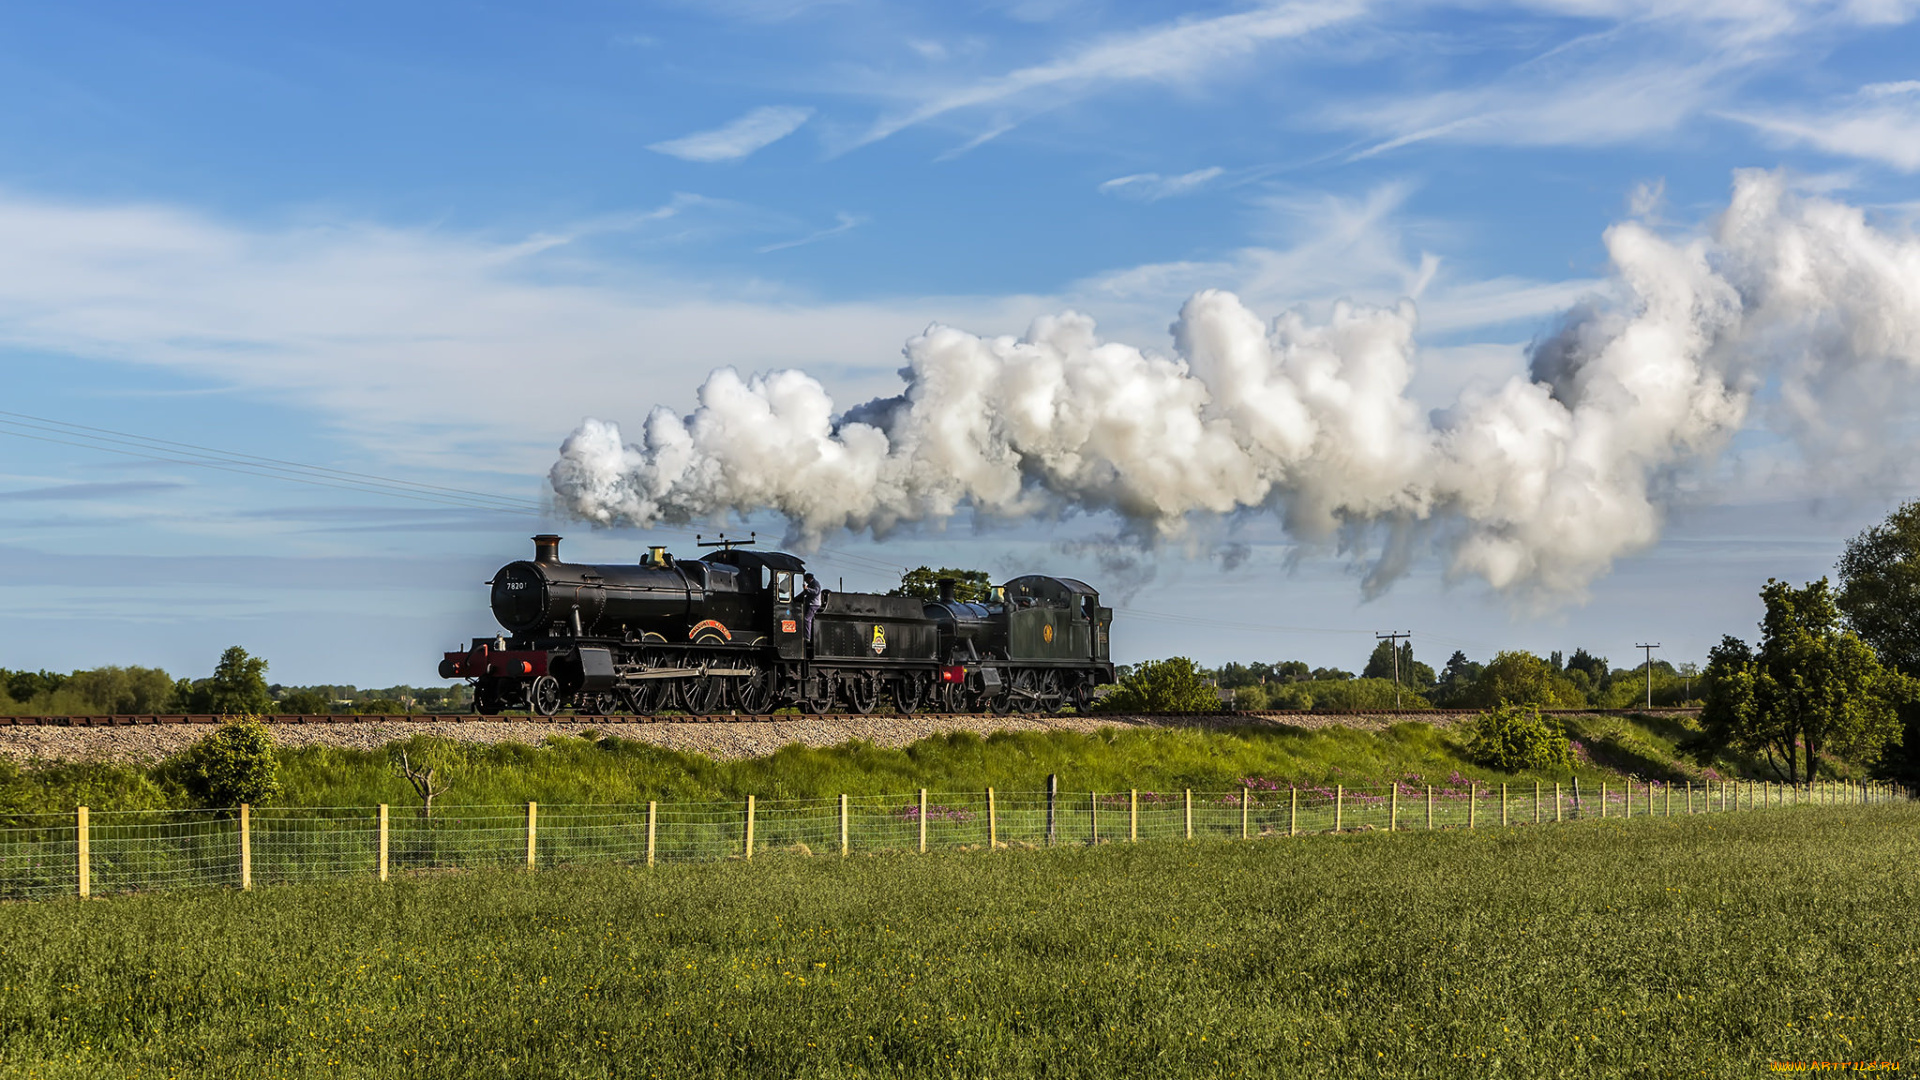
(238, 686)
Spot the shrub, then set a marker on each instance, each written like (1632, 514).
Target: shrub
(1521, 678)
(1513, 738)
(233, 765)
(1172, 685)
(1289, 696)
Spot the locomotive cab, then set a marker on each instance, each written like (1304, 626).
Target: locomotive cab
(1055, 619)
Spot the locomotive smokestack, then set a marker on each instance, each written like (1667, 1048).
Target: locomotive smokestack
(546, 548)
(947, 585)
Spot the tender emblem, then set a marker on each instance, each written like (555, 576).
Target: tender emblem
(879, 639)
(1046, 633)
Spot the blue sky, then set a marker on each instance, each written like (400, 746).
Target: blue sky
(421, 242)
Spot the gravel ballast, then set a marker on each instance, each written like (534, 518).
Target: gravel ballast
(715, 739)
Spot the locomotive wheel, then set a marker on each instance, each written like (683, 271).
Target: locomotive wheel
(641, 697)
(906, 694)
(863, 692)
(706, 696)
(755, 692)
(1050, 691)
(544, 695)
(484, 701)
(1080, 695)
(1025, 686)
(817, 693)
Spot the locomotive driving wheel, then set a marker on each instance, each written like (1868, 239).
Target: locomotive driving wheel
(863, 691)
(1025, 691)
(755, 692)
(907, 691)
(543, 695)
(1050, 691)
(706, 695)
(817, 692)
(642, 697)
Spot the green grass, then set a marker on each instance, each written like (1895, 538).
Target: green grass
(1701, 946)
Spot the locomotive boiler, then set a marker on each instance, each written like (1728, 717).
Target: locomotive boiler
(734, 630)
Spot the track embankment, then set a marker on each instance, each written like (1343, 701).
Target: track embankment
(149, 738)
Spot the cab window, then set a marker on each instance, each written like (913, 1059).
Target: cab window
(783, 585)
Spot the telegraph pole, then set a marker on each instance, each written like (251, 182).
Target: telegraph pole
(1395, 638)
(1649, 649)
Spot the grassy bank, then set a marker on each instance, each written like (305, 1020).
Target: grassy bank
(571, 770)
(1665, 947)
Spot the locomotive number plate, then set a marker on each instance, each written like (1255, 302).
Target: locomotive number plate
(789, 626)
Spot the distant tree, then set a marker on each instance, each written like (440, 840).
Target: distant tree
(1329, 674)
(1292, 671)
(27, 685)
(1810, 687)
(238, 687)
(924, 583)
(122, 690)
(1232, 676)
(1413, 674)
(1521, 678)
(1594, 667)
(304, 701)
(379, 707)
(1173, 685)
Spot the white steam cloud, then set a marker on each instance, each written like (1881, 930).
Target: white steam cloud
(1538, 486)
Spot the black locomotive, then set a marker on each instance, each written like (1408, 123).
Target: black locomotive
(729, 632)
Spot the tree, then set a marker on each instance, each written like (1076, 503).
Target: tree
(1412, 674)
(1810, 687)
(924, 583)
(305, 701)
(1880, 588)
(233, 765)
(1173, 685)
(1292, 671)
(1328, 674)
(422, 777)
(238, 687)
(1594, 667)
(1521, 678)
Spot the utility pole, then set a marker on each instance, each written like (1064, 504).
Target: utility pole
(1395, 638)
(1649, 649)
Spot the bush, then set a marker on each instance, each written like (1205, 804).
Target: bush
(1521, 678)
(1514, 738)
(1172, 685)
(233, 765)
(1289, 696)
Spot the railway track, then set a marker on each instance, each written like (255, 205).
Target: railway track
(739, 718)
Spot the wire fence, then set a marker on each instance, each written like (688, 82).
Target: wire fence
(45, 856)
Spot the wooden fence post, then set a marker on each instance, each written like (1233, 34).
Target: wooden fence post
(1339, 800)
(84, 851)
(1503, 806)
(1472, 802)
(246, 846)
(1429, 807)
(1559, 808)
(1189, 800)
(923, 821)
(1093, 818)
(533, 812)
(1536, 802)
(1628, 793)
(383, 841)
(1246, 800)
(1133, 815)
(993, 821)
(846, 835)
(1053, 793)
(653, 823)
(1666, 791)
(1393, 808)
(1293, 811)
(748, 847)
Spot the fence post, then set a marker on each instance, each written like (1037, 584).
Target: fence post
(1628, 793)
(246, 847)
(1133, 815)
(923, 821)
(1339, 800)
(1472, 801)
(1503, 806)
(1053, 792)
(845, 845)
(1246, 799)
(1559, 808)
(1293, 811)
(1666, 792)
(653, 821)
(1536, 802)
(383, 841)
(533, 813)
(84, 852)
(1393, 808)
(1093, 818)
(1189, 801)
(1603, 798)
(1429, 807)
(749, 837)
(993, 821)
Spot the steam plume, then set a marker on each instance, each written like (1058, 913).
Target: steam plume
(1538, 485)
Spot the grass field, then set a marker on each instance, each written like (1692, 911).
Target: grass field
(1687, 946)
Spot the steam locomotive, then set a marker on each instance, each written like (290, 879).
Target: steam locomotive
(730, 631)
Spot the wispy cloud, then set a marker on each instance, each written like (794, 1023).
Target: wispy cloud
(761, 127)
(1152, 187)
(1170, 52)
(1880, 122)
(88, 492)
(844, 222)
